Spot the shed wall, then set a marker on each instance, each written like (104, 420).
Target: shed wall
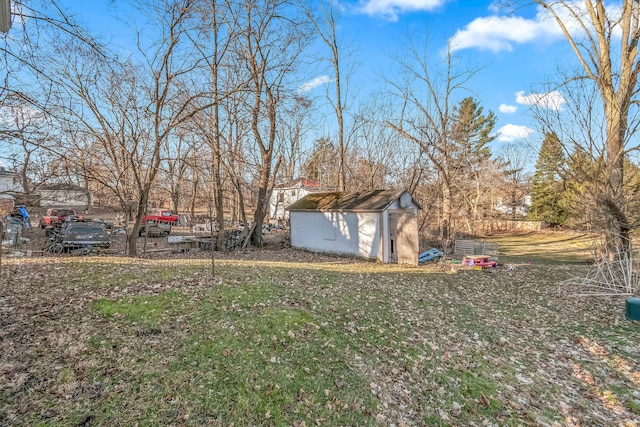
(347, 233)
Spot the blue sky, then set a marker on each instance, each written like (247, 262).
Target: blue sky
(517, 51)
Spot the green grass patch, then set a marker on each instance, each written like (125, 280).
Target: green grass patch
(249, 355)
(146, 310)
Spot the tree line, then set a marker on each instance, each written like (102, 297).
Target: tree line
(205, 110)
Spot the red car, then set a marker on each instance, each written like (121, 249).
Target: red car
(56, 216)
(160, 215)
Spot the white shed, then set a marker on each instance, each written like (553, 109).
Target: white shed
(378, 224)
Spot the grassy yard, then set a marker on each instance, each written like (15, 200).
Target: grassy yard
(304, 340)
(545, 247)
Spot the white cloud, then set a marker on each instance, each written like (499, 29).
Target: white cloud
(500, 33)
(312, 84)
(497, 33)
(552, 100)
(507, 109)
(510, 133)
(19, 115)
(390, 9)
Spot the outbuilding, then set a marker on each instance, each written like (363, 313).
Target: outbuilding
(377, 224)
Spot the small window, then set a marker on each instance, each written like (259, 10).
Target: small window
(281, 197)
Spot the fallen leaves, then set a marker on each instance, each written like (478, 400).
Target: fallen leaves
(474, 348)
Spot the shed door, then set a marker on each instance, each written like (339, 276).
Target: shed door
(403, 238)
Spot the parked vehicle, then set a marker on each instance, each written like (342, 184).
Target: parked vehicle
(57, 216)
(155, 229)
(160, 216)
(71, 236)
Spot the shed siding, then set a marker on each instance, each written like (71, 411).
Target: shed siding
(347, 233)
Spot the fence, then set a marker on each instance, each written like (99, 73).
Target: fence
(493, 225)
(475, 247)
(33, 241)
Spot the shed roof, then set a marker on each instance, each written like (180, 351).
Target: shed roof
(374, 200)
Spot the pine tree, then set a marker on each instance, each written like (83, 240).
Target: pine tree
(472, 132)
(321, 166)
(547, 201)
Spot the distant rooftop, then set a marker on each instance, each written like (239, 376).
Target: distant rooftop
(306, 184)
(56, 187)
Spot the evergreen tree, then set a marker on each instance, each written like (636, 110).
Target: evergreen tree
(321, 166)
(472, 132)
(547, 199)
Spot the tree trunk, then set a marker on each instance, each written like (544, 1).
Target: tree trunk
(617, 233)
(445, 232)
(617, 238)
(132, 239)
(260, 212)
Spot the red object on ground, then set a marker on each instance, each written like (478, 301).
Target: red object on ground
(481, 261)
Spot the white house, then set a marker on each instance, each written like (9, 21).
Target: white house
(378, 224)
(520, 208)
(286, 194)
(9, 184)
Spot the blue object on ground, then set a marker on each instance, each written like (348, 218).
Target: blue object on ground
(633, 309)
(430, 254)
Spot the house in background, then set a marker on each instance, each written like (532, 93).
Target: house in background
(378, 224)
(10, 184)
(519, 208)
(286, 194)
(64, 195)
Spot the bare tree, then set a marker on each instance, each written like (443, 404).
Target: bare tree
(176, 167)
(325, 22)
(606, 47)
(427, 98)
(271, 38)
(375, 159)
(516, 179)
(25, 130)
(129, 112)
(291, 132)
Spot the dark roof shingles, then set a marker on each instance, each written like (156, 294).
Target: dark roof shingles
(374, 200)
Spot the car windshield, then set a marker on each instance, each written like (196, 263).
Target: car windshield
(62, 212)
